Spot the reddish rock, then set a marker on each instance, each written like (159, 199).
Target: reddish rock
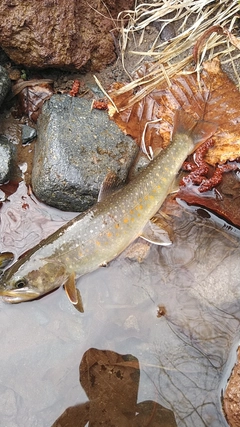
(59, 33)
(231, 398)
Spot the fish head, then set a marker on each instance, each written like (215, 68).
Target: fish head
(28, 281)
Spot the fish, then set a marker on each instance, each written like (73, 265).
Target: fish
(97, 236)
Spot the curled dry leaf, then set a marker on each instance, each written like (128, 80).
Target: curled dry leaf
(22, 84)
(214, 98)
(214, 29)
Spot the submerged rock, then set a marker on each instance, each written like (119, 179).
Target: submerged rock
(76, 148)
(60, 34)
(5, 159)
(5, 83)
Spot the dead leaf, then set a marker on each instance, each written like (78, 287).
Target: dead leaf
(22, 84)
(32, 97)
(214, 29)
(214, 99)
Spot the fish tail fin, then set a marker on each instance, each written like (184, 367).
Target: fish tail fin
(198, 130)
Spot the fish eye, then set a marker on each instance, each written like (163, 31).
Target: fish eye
(20, 284)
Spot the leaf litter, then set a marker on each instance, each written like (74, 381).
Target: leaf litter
(214, 99)
(178, 75)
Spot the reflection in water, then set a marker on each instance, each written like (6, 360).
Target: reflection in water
(111, 383)
(177, 312)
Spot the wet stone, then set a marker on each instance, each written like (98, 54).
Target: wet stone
(28, 134)
(5, 83)
(5, 159)
(75, 150)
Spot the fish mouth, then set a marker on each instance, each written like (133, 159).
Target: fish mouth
(18, 295)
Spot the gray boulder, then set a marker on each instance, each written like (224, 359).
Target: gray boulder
(75, 150)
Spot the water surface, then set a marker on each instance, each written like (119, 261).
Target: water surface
(173, 362)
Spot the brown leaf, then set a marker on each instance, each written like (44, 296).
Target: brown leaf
(214, 99)
(32, 97)
(22, 84)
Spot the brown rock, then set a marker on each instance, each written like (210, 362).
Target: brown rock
(59, 33)
(231, 398)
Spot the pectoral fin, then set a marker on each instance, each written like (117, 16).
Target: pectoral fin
(73, 293)
(110, 185)
(155, 234)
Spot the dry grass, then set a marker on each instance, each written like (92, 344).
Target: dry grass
(193, 18)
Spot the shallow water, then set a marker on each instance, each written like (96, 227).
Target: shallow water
(180, 356)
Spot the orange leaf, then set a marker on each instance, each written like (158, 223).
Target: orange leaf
(214, 98)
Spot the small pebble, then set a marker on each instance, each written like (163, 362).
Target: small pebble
(28, 134)
(14, 74)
